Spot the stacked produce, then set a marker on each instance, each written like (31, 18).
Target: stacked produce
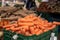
(30, 25)
(49, 7)
(7, 11)
(54, 6)
(12, 13)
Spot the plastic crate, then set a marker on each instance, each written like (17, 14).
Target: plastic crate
(45, 36)
(8, 36)
(55, 30)
(59, 29)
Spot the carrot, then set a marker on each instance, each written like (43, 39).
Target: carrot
(52, 27)
(45, 25)
(12, 28)
(35, 27)
(46, 30)
(57, 23)
(25, 20)
(35, 22)
(19, 32)
(36, 30)
(7, 28)
(23, 30)
(46, 21)
(34, 18)
(25, 27)
(14, 25)
(22, 19)
(28, 34)
(5, 23)
(17, 28)
(50, 24)
(42, 27)
(32, 30)
(30, 16)
(1, 23)
(39, 32)
(26, 24)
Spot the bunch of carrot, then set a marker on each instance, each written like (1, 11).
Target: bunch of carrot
(30, 25)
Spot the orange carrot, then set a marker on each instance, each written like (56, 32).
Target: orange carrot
(26, 24)
(32, 30)
(12, 28)
(42, 27)
(25, 27)
(46, 30)
(57, 23)
(28, 34)
(52, 27)
(7, 28)
(39, 32)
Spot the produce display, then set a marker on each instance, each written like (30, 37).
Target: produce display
(26, 24)
(54, 6)
(30, 25)
(49, 7)
(7, 11)
(12, 13)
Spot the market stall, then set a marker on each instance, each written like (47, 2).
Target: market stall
(37, 24)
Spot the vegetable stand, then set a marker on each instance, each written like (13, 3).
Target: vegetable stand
(44, 36)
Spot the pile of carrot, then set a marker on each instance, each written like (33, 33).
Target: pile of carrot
(30, 25)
